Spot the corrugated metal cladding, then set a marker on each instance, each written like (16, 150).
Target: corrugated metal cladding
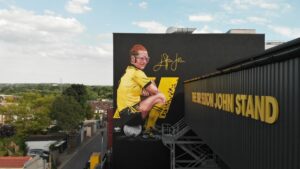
(243, 142)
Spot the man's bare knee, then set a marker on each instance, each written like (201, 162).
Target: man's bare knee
(147, 104)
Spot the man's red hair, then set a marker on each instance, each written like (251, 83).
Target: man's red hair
(135, 48)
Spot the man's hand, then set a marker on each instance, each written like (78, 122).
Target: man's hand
(163, 98)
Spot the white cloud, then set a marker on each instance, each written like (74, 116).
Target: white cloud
(286, 31)
(151, 26)
(143, 5)
(105, 37)
(286, 7)
(269, 5)
(237, 21)
(240, 4)
(78, 6)
(49, 12)
(18, 25)
(264, 5)
(251, 19)
(206, 29)
(200, 18)
(245, 4)
(257, 20)
(226, 7)
(44, 48)
(105, 50)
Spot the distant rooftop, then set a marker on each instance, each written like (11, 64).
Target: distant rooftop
(180, 30)
(271, 44)
(242, 31)
(175, 30)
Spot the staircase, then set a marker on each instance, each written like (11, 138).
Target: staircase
(187, 151)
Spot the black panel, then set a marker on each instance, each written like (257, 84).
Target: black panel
(244, 142)
(137, 153)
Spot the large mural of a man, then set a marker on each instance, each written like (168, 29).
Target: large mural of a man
(137, 94)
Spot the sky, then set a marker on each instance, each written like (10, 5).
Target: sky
(70, 41)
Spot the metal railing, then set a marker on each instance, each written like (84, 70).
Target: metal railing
(193, 154)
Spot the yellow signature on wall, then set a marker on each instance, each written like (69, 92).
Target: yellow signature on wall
(168, 63)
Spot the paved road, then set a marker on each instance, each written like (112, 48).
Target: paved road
(82, 155)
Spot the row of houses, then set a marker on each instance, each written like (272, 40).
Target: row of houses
(39, 151)
(44, 151)
(4, 101)
(98, 107)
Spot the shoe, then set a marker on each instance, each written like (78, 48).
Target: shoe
(156, 130)
(151, 134)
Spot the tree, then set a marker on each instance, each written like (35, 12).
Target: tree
(78, 92)
(67, 112)
(89, 114)
(92, 94)
(81, 94)
(29, 115)
(105, 92)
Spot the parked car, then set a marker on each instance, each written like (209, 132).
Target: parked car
(40, 152)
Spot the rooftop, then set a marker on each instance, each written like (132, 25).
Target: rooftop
(13, 162)
(242, 31)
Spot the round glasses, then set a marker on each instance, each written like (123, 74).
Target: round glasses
(143, 58)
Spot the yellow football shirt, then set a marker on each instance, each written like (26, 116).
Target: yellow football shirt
(130, 87)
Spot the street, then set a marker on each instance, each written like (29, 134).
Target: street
(78, 161)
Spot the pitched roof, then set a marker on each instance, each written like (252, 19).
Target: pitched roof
(13, 162)
(96, 105)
